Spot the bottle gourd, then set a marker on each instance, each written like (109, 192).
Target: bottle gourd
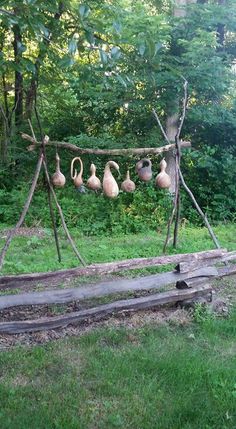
(110, 187)
(163, 179)
(93, 182)
(58, 179)
(128, 185)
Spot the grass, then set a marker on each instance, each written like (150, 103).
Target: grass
(166, 377)
(29, 254)
(151, 377)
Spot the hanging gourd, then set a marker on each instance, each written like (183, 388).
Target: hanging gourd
(77, 178)
(144, 169)
(58, 179)
(110, 187)
(163, 179)
(93, 181)
(128, 185)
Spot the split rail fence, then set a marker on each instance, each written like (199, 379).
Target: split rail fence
(192, 277)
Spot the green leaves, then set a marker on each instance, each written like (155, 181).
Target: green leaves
(115, 53)
(121, 80)
(72, 46)
(84, 11)
(142, 49)
(117, 27)
(90, 37)
(103, 56)
(66, 61)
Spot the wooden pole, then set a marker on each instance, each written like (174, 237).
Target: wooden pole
(177, 163)
(62, 217)
(51, 190)
(203, 216)
(111, 152)
(181, 179)
(43, 139)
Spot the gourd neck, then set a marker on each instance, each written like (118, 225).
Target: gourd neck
(110, 164)
(74, 174)
(163, 165)
(57, 163)
(93, 170)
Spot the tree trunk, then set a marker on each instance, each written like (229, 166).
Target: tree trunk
(173, 108)
(221, 29)
(18, 76)
(32, 90)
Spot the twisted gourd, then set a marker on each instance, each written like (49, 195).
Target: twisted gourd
(110, 187)
(77, 178)
(58, 179)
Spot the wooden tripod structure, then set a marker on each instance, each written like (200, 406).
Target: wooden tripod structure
(42, 163)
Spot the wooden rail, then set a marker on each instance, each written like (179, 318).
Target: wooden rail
(61, 296)
(195, 259)
(103, 310)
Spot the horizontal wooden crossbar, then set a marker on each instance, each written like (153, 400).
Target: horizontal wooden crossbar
(112, 152)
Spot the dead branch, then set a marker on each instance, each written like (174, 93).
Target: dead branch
(112, 152)
(160, 125)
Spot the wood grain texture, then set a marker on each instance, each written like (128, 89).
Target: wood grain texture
(61, 296)
(135, 304)
(227, 271)
(17, 281)
(112, 152)
(185, 266)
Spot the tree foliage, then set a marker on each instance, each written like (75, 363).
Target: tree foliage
(97, 69)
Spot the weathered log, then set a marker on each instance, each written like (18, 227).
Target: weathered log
(101, 289)
(185, 266)
(134, 304)
(226, 271)
(193, 282)
(17, 281)
(112, 152)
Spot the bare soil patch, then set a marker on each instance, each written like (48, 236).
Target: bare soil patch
(25, 232)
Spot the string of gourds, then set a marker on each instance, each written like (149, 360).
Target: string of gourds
(109, 185)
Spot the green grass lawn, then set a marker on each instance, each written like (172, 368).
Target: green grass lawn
(29, 254)
(159, 376)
